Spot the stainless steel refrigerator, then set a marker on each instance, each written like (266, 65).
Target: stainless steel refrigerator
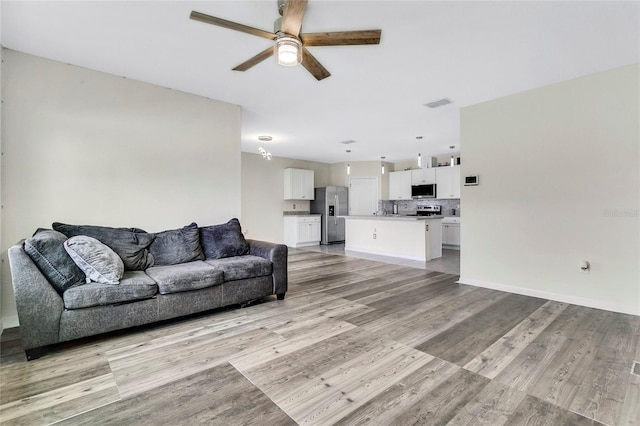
(331, 202)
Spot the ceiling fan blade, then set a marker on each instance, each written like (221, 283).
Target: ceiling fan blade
(292, 16)
(313, 66)
(255, 60)
(342, 38)
(207, 19)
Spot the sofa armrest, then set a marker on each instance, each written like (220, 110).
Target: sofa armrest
(39, 305)
(277, 254)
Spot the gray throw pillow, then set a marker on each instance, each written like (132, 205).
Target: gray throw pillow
(226, 240)
(177, 246)
(131, 244)
(99, 263)
(46, 249)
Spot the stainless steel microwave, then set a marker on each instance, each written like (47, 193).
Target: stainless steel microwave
(423, 191)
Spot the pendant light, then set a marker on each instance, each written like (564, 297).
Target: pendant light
(452, 163)
(382, 164)
(348, 165)
(419, 155)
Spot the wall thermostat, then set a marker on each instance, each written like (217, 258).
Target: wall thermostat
(471, 180)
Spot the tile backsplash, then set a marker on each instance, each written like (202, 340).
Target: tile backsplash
(410, 206)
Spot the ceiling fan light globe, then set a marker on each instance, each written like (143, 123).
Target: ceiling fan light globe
(288, 51)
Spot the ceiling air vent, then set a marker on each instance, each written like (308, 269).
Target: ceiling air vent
(349, 142)
(439, 103)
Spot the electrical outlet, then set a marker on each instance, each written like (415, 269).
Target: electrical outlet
(374, 236)
(585, 267)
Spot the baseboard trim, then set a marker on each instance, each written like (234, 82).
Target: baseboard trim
(564, 298)
(9, 322)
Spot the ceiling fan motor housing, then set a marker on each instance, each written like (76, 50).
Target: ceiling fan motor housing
(277, 26)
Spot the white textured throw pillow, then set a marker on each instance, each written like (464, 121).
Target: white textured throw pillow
(99, 263)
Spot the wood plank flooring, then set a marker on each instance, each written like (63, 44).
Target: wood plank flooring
(356, 342)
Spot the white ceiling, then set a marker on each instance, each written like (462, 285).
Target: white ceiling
(469, 52)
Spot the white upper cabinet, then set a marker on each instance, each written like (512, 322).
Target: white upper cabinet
(298, 184)
(448, 182)
(400, 185)
(423, 176)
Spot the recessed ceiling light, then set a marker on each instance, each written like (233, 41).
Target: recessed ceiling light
(264, 138)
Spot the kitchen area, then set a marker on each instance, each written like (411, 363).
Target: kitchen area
(417, 220)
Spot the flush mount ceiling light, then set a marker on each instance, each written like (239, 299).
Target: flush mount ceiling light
(288, 51)
(265, 154)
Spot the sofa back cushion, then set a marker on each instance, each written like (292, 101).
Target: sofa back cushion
(177, 246)
(225, 240)
(46, 249)
(98, 262)
(131, 244)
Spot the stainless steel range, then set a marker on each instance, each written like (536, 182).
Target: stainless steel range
(429, 210)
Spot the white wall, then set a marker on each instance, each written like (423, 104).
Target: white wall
(263, 194)
(86, 147)
(1, 172)
(339, 177)
(559, 184)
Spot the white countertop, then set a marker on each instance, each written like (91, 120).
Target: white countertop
(393, 217)
(451, 219)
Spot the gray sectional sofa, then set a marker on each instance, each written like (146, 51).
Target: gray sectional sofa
(76, 281)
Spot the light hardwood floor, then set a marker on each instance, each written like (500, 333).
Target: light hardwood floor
(355, 342)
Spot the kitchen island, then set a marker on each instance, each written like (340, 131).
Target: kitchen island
(408, 237)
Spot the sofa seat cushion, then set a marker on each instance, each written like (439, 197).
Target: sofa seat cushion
(134, 285)
(242, 267)
(185, 277)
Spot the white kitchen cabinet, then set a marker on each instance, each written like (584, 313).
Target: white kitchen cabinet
(400, 185)
(451, 232)
(298, 184)
(302, 231)
(448, 182)
(423, 176)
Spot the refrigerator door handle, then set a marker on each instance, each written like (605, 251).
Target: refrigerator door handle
(337, 203)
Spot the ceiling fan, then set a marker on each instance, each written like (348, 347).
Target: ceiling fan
(291, 45)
